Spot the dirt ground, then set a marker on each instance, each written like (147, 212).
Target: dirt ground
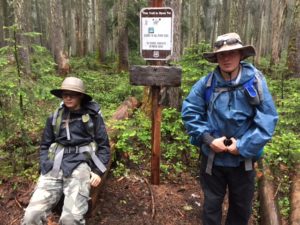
(126, 200)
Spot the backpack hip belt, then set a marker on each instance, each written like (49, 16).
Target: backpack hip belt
(60, 150)
(210, 162)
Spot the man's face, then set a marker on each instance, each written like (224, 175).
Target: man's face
(72, 99)
(229, 61)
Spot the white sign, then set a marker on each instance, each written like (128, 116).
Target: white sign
(156, 33)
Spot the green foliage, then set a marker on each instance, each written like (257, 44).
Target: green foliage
(105, 86)
(175, 142)
(42, 63)
(134, 137)
(194, 66)
(134, 140)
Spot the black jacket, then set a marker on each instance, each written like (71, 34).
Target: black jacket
(79, 136)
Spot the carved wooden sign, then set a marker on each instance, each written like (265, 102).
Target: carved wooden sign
(167, 76)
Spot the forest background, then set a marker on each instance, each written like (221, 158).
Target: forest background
(42, 41)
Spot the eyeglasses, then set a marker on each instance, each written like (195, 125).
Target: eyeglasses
(70, 94)
(230, 41)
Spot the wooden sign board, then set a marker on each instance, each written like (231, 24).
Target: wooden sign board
(156, 33)
(167, 76)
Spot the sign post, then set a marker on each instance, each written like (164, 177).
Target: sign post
(156, 36)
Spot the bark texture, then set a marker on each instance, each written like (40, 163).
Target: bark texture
(295, 197)
(294, 43)
(58, 38)
(123, 36)
(268, 205)
(21, 9)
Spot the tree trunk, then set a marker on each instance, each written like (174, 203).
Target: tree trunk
(79, 28)
(123, 36)
(90, 39)
(293, 57)
(295, 197)
(171, 96)
(224, 17)
(21, 9)
(102, 31)
(268, 206)
(58, 39)
(70, 17)
(209, 20)
(38, 25)
(279, 11)
(1, 23)
(257, 19)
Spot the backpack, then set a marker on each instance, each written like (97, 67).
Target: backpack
(57, 119)
(252, 88)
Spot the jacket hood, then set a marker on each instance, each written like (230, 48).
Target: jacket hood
(248, 73)
(93, 107)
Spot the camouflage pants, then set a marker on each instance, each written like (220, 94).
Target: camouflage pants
(48, 192)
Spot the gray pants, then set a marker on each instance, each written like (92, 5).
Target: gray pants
(48, 192)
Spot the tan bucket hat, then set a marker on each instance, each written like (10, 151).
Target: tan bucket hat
(71, 84)
(229, 42)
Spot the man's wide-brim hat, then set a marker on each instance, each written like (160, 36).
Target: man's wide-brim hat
(72, 84)
(229, 42)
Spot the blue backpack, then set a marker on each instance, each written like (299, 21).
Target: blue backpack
(252, 89)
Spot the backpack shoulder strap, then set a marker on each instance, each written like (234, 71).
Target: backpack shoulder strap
(253, 89)
(209, 87)
(259, 77)
(56, 120)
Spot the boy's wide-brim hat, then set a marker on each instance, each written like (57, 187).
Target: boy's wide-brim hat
(246, 50)
(72, 84)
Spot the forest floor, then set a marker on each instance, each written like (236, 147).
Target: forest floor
(126, 200)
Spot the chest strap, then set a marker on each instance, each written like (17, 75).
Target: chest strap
(59, 153)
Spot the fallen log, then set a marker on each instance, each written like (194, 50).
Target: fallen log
(268, 205)
(124, 111)
(295, 197)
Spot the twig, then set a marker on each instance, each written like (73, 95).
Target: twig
(14, 221)
(277, 190)
(180, 212)
(152, 198)
(18, 203)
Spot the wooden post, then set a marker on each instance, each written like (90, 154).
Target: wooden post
(156, 3)
(156, 76)
(156, 122)
(156, 135)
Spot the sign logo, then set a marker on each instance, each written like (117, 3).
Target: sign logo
(156, 33)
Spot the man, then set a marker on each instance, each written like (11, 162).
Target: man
(230, 115)
(73, 154)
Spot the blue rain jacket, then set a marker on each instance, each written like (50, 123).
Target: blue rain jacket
(230, 114)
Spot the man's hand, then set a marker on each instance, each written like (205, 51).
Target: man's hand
(232, 149)
(95, 179)
(217, 145)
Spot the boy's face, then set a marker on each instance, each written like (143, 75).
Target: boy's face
(229, 61)
(72, 99)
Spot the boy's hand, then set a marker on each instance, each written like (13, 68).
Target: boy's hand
(217, 145)
(232, 148)
(95, 179)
